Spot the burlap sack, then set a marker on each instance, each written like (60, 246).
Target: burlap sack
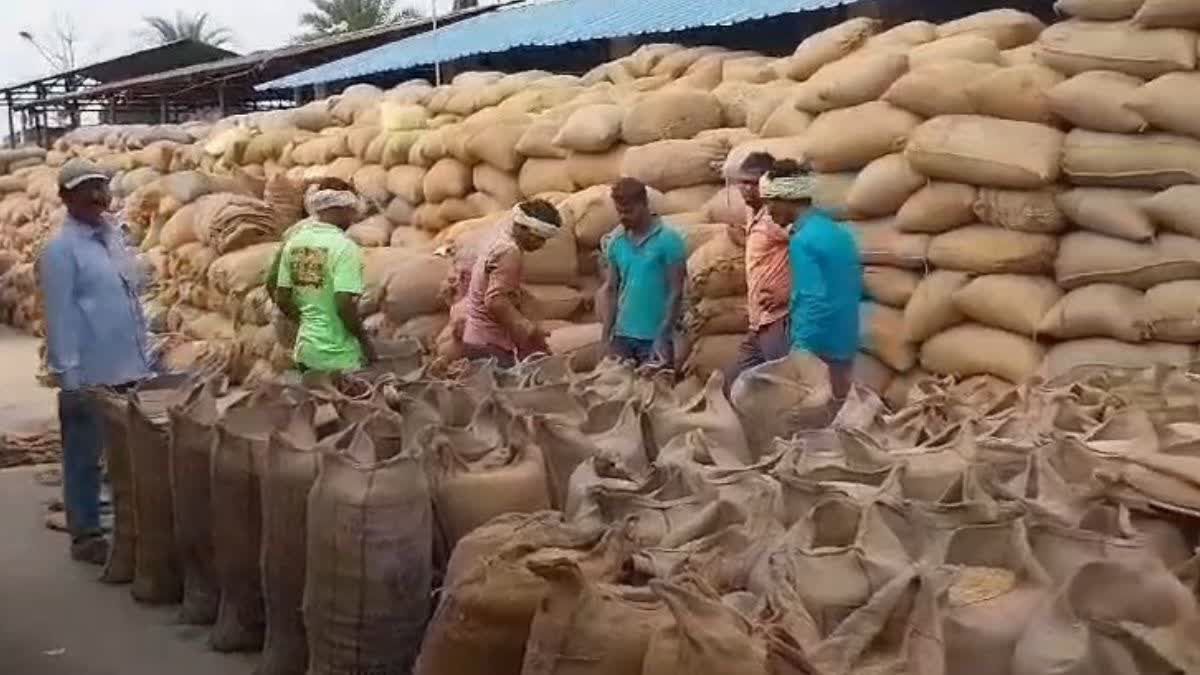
(666, 115)
(781, 398)
(1013, 302)
(413, 289)
(882, 335)
(1064, 357)
(687, 199)
(243, 270)
(1110, 211)
(1015, 93)
(1101, 311)
(1168, 103)
(544, 175)
(909, 34)
(880, 242)
(373, 232)
(551, 302)
(883, 186)
(959, 47)
(1073, 47)
(1085, 258)
(938, 88)
(378, 625)
(593, 169)
(786, 121)
(986, 151)
(447, 178)
(1008, 28)
(1098, 10)
(1033, 211)
(831, 192)
(499, 185)
(538, 140)
(854, 80)
(1167, 14)
(716, 316)
(1175, 209)
(582, 343)
(879, 129)
(556, 263)
(708, 411)
(972, 349)
(1173, 311)
(931, 308)
(407, 182)
(938, 207)
(180, 229)
(667, 165)
(496, 144)
(828, 46)
(706, 636)
(984, 249)
(889, 285)
(712, 354)
(716, 270)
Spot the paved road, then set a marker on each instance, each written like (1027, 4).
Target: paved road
(55, 619)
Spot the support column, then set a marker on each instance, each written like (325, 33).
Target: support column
(12, 127)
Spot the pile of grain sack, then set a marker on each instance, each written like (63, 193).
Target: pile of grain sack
(538, 521)
(1023, 195)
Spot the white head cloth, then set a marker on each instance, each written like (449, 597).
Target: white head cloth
(320, 200)
(539, 228)
(786, 188)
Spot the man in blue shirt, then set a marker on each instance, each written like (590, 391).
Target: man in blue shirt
(645, 263)
(95, 336)
(826, 273)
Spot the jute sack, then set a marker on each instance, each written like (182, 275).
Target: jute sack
(938, 88)
(1169, 103)
(1008, 28)
(375, 515)
(552, 302)
(1098, 10)
(1033, 211)
(539, 176)
(828, 46)
(938, 207)
(847, 139)
(716, 270)
(1114, 212)
(1167, 14)
(556, 263)
(594, 128)
(412, 289)
(984, 249)
(986, 151)
(1096, 100)
(589, 214)
(1073, 47)
(407, 182)
(972, 349)
(538, 140)
(880, 242)
(726, 206)
(1098, 310)
(1015, 93)
(1066, 356)
(447, 178)
(786, 122)
(717, 316)
(667, 165)
(496, 143)
(582, 343)
(707, 636)
(882, 335)
(500, 185)
(890, 286)
(666, 115)
(931, 309)
(780, 398)
(883, 186)
(1176, 209)
(591, 169)
(1014, 302)
(872, 373)
(1173, 311)
(909, 34)
(831, 192)
(180, 229)
(854, 80)
(1085, 258)
(687, 199)
(373, 232)
(713, 353)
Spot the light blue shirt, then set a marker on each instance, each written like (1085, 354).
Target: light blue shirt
(95, 329)
(643, 270)
(826, 287)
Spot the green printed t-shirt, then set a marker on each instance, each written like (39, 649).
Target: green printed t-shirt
(319, 261)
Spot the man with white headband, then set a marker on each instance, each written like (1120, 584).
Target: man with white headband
(826, 274)
(319, 279)
(495, 327)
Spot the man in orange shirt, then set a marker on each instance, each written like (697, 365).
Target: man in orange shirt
(767, 272)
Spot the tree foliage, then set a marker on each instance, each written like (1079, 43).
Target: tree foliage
(163, 30)
(331, 17)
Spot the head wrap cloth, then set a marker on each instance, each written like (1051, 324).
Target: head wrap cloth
(787, 188)
(320, 200)
(539, 228)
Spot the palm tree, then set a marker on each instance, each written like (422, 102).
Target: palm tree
(330, 17)
(163, 30)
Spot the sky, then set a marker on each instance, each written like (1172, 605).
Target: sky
(108, 28)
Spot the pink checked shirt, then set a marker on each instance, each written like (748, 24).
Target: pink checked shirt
(768, 278)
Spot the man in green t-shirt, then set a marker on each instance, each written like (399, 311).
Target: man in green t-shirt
(319, 283)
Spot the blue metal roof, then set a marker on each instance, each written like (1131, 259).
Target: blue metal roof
(546, 24)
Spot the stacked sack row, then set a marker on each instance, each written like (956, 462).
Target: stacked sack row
(607, 524)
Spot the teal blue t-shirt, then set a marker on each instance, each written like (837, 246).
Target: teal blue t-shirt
(826, 287)
(643, 268)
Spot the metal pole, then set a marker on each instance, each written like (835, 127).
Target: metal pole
(12, 129)
(437, 63)
(221, 97)
(162, 110)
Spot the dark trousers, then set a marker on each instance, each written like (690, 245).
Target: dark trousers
(642, 352)
(82, 442)
(768, 343)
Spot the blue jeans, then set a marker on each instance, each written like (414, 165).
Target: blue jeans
(82, 441)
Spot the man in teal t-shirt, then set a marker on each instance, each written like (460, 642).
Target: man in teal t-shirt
(645, 262)
(319, 282)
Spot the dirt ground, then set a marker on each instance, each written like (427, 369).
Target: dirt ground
(56, 618)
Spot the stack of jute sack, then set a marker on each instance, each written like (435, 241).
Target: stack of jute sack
(604, 523)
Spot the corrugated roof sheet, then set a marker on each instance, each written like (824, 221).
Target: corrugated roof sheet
(546, 24)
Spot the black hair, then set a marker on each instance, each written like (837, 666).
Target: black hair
(758, 162)
(787, 168)
(543, 211)
(331, 183)
(630, 189)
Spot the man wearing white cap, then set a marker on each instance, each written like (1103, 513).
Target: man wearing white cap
(95, 336)
(319, 281)
(495, 327)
